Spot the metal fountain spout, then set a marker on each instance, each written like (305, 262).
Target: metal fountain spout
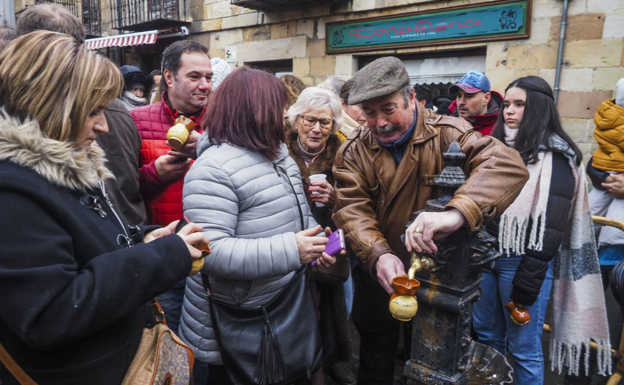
(418, 264)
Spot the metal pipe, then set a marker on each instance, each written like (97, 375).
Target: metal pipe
(564, 23)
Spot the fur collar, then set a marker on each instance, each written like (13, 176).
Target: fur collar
(60, 163)
(323, 163)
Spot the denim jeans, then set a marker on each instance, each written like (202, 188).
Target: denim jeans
(349, 286)
(171, 302)
(494, 327)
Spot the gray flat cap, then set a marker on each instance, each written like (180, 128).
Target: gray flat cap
(382, 77)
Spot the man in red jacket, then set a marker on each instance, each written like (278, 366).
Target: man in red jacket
(187, 82)
(476, 102)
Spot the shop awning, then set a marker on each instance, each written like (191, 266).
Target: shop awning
(131, 39)
(443, 70)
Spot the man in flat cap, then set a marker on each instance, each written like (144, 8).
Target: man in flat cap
(384, 172)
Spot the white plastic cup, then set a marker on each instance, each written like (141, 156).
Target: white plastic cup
(318, 178)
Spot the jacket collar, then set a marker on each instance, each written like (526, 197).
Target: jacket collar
(173, 114)
(60, 163)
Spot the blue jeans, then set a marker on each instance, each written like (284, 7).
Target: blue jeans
(171, 302)
(494, 327)
(349, 287)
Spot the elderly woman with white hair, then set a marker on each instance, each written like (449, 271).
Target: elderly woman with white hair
(315, 118)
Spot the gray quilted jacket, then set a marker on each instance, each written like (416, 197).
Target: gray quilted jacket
(247, 209)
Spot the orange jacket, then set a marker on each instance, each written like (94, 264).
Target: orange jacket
(609, 134)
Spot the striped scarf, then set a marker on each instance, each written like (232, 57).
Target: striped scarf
(579, 311)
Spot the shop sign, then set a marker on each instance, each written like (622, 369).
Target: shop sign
(230, 54)
(501, 20)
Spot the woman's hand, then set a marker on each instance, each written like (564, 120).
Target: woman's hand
(192, 235)
(161, 232)
(325, 193)
(310, 246)
(614, 184)
(325, 260)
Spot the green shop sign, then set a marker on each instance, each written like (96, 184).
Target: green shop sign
(501, 20)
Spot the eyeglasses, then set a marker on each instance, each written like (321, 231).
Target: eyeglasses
(310, 121)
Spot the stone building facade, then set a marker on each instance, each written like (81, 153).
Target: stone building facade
(294, 41)
(593, 57)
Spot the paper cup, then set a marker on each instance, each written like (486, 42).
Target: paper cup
(318, 178)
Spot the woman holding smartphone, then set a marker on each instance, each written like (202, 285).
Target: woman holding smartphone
(75, 278)
(247, 195)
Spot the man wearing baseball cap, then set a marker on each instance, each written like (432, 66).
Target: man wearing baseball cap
(384, 172)
(476, 102)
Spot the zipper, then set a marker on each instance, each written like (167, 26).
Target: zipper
(110, 205)
(93, 202)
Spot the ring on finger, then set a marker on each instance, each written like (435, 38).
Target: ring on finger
(419, 230)
(321, 196)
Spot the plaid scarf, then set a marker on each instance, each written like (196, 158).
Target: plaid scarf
(579, 311)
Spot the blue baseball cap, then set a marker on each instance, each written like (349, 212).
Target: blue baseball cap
(471, 83)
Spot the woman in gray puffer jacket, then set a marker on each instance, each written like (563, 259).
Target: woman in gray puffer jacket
(241, 190)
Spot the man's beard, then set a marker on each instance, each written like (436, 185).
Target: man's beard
(386, 129)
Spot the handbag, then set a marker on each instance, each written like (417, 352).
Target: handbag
(276, 343)
(162, 358)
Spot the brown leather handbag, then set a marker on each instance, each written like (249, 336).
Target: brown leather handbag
(162, 357)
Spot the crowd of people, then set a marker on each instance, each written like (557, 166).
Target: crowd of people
(271, 171)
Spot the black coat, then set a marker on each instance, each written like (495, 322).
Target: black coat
(531, 273)
(73, 299)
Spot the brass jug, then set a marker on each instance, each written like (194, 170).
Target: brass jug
(178, 135)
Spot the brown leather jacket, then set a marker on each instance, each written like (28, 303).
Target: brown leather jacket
(375, 197)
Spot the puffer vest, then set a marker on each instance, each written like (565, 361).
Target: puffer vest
(153, 121)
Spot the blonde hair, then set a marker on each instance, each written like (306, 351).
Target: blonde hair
(53, 79)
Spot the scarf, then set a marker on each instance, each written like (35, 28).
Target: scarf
(348, 124)
(397, 148)
(131, 102)
(510, 136)
(308, 157)
(579, 312)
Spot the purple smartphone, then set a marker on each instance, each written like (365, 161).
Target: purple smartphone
(336, 243)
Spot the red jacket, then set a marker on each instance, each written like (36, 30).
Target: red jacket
(484, 123)
(163, 200)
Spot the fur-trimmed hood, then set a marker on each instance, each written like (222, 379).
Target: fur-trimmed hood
(60, 163)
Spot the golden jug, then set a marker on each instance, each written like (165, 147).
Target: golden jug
(403, 304)
(178, 135)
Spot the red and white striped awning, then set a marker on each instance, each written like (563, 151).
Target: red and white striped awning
(147, 37)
